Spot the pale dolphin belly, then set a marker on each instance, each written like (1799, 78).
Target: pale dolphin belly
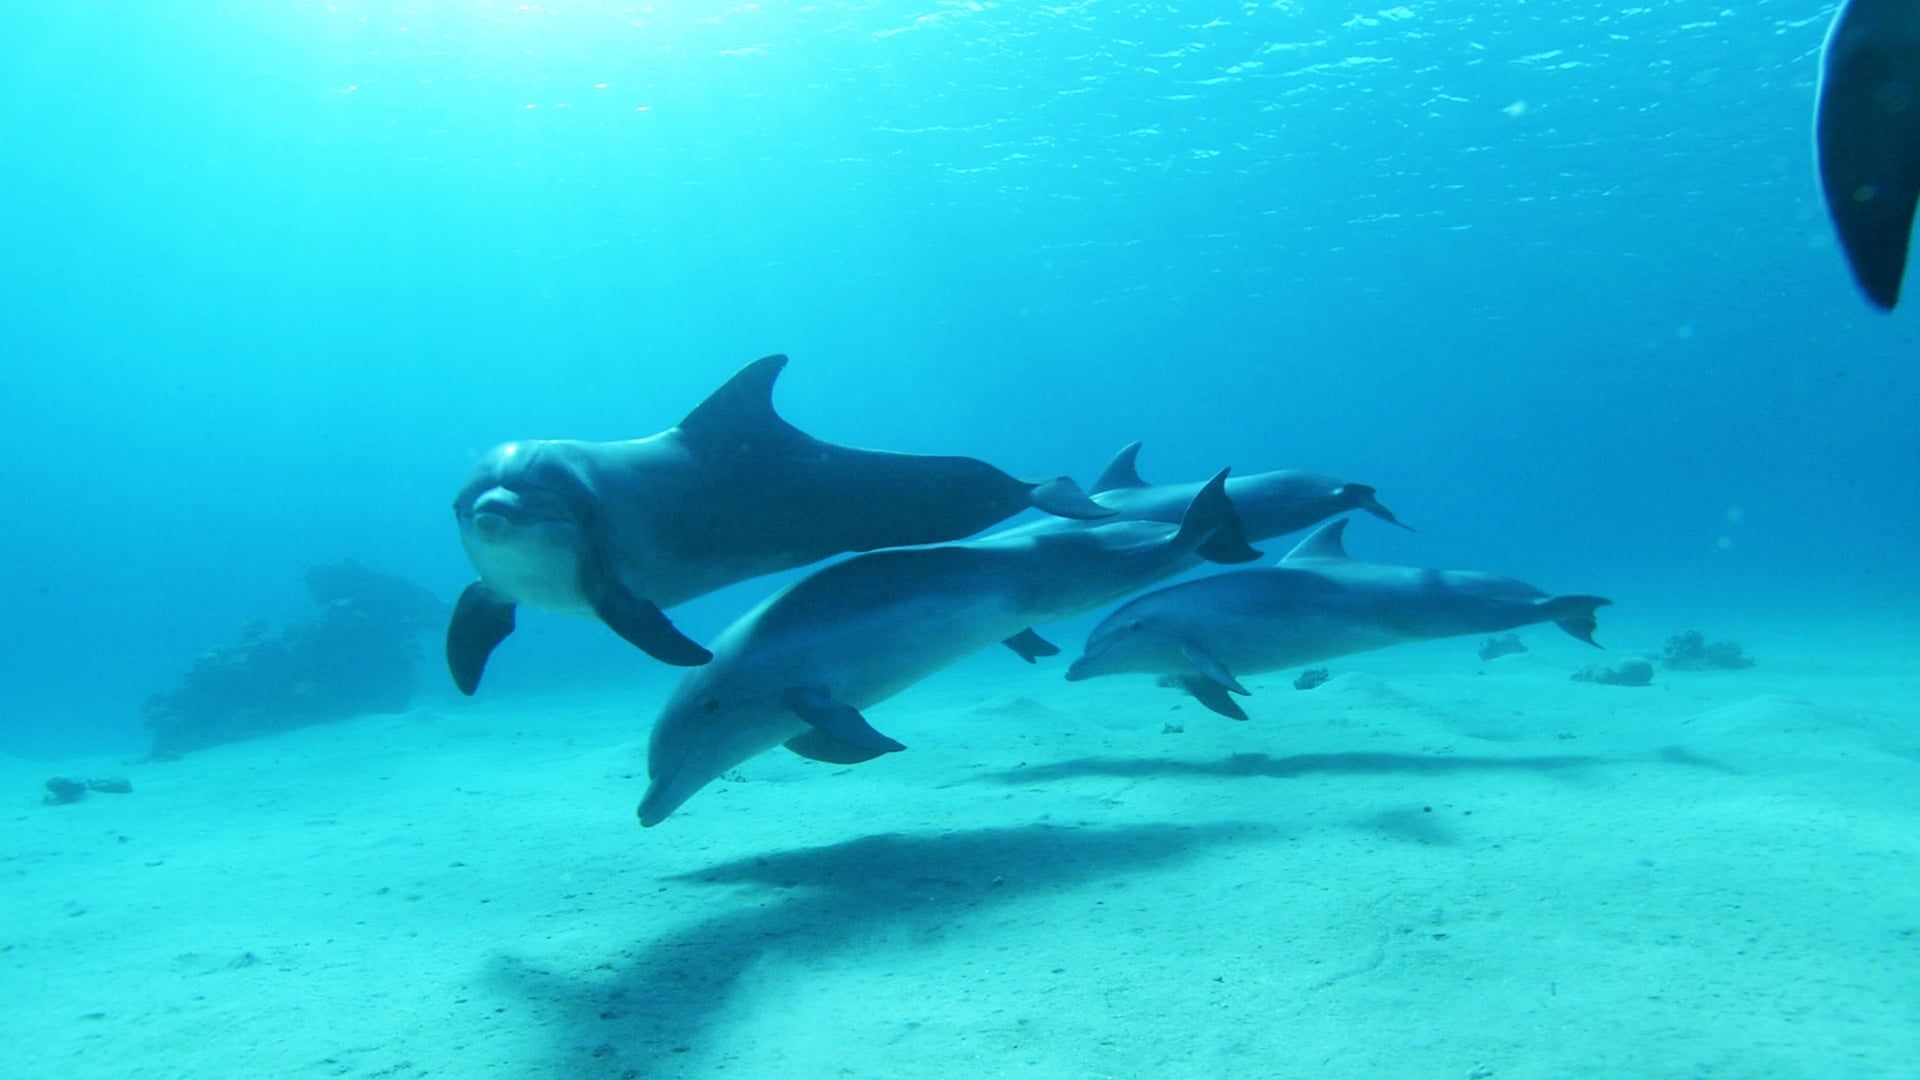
(542, 577)
(1286, 641)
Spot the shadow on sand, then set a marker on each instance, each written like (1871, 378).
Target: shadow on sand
(1266, 765)
(656, 1000)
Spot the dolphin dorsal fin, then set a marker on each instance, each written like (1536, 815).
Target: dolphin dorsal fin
(1322, 543)
(1121, 472)
(743, 403)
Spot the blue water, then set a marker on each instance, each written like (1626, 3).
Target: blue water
(1554, 278)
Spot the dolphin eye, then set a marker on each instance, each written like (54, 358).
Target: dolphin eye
(710, 705)
(1135, 624)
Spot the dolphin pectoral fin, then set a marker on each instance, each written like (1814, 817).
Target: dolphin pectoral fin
(482, 619)
(1210, 694)
(1867, 138)
(1031, 646)
(837, 719)
(1575, 615)
(645, 626)
(1209, 666)
(1061, 497)
(817, 745)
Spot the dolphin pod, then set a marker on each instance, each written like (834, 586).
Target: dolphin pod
(1269, 504)
(1867, 138)
(799, 668)
(618, 531)
(621, 531)
(1318, 603)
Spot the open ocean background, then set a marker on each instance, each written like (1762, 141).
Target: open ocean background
(1553, 277)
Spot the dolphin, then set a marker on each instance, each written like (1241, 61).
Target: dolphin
(1269, 504)
(620, 530)
(799, 668)
(1867, 138)
(1317, 603)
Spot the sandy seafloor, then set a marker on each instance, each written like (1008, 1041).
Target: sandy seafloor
(1429, 866)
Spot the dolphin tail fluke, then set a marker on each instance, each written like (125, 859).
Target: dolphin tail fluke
(1575, 615)
(1364, 497)
(1211, 527)
(482, 619)
(1061, 497)
(1867, 134)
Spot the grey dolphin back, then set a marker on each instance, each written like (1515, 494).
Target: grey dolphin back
(1867, 135)
(844, 498)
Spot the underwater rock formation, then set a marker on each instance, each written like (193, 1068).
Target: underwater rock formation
(1311, 678)
(356, 653)
(64, 789)
(1634, 672)
(1691, 651)
(1501, 645)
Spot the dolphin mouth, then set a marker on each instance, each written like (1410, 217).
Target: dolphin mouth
(492, 526)
(500, 505)
(1077, 670)
(500, 512)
